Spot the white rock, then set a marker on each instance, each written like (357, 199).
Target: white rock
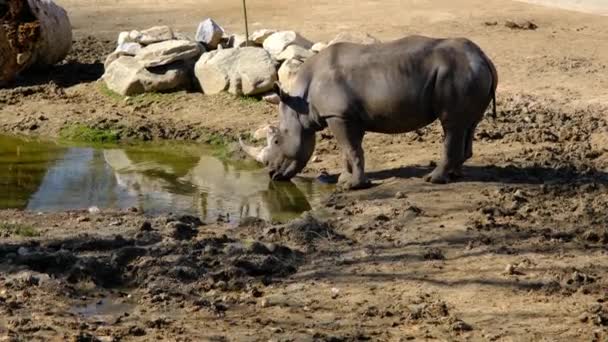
(277, 42)
(167, 52)
(112, 57)
(318, 47)
(155, 34)
(126, 76)
(354, 37)
(134, 36)
(241, 71)
(94, 210)
(209, 33)
(260, 36)
(272, 97)
(123, 37)
(130, 49)
(295, 52)
(23, 251)
(288, 72)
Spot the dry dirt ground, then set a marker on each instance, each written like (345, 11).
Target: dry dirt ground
(514, 251)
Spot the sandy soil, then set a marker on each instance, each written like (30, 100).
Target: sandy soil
(514, 251)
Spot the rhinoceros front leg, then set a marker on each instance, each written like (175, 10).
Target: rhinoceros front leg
(350, 139)
(453, 156)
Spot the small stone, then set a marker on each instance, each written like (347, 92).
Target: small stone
(264, 303)
(520, 196)
(461, 326)
(334, 292)
(81, 219)
(583, 318)
(521, 25)
(315, 159)
(510, 269)
(400, 195)
(94, 210)
(22, 251)
(272, 97)
(209, 33)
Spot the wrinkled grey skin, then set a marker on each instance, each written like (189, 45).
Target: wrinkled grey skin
(393, 87)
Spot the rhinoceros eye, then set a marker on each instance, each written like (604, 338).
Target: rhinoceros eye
(276, 142)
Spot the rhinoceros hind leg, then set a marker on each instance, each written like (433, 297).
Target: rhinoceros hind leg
(468, 150)
(453, 157)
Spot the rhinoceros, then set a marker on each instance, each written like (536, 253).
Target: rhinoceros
(393, 87)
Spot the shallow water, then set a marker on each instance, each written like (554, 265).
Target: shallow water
(45, 176)
(104, 309)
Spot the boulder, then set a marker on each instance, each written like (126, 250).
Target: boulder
(112, 57)
(123, 37)
(239, 40)
(241, 71)
(287, 73)
(354, 37)
(295, 52)
(129, 49)
(209, 33)
(260, 36)
(155, 34)
(318, 47)
(277, 42)
(168, 52)
(127, 77)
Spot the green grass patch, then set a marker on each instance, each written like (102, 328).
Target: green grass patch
(249, 99)
(82, 133)
(18, 229)
(105, 91)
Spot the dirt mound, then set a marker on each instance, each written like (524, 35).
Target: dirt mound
(170, 255)
(305, 231)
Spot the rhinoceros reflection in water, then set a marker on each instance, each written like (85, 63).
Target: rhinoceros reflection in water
(211, 187)
(245, 193)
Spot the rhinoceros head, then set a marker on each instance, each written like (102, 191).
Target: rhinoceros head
(289, 146)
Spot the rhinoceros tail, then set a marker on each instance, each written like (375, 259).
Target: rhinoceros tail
(494, 103)
(494, 74)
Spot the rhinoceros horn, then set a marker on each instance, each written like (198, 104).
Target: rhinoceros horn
(256, 153)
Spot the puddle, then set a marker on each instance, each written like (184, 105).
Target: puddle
(156, 178)
(105, 309)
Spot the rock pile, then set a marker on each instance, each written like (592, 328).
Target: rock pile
(159, 59)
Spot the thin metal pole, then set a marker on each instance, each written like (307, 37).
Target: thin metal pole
(246, 23)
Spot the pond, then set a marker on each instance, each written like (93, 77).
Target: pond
(156, 178)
